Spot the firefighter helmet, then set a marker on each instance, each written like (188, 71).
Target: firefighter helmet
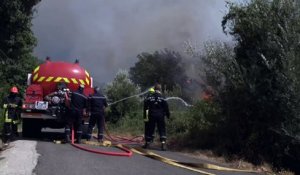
(14, 89)
(151, 90)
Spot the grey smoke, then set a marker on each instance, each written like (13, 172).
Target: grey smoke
(106, 35)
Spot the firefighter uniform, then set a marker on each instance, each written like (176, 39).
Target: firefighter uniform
(11, 111)
(146, 115)
(97, 104)
(157, 108)
(77, 106)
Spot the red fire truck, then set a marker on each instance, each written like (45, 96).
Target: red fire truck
(46, 98)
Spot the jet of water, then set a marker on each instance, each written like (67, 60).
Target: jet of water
(136, 95)
(142, 93)
(180, 99)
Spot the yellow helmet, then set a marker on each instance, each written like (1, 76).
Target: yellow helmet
(151, 90)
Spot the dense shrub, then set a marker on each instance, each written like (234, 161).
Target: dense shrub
(121, 87)
(256, 83)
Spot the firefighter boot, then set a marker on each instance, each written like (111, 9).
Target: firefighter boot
(78, 138)
(67, 138)
(146, 145)
(163, 146)
(15, 130)
(67, 134)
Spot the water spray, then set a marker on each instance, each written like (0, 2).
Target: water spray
(145, 92)
(180, 99)
(137, 95)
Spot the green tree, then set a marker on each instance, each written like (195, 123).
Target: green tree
(163, 67)
(16, 40)
(118, 92)
(16, 43)
(256, 84)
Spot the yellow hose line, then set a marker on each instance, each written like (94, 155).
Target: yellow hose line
(165, 160)
(193, 165)
(105, 143)
(215, 167)
(204, 165)
(185, 165)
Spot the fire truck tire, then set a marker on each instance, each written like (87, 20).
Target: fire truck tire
(31, 128)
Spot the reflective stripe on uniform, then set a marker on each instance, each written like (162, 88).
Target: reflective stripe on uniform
(7, 120)
(16, 121)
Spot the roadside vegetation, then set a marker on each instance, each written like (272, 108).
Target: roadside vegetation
(16, 45)
(254, 83)
(253, 109)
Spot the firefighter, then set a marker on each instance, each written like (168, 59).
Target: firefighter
(12, 109)
(97, 105)
(77, 109)
(157, 109)
(146, 115)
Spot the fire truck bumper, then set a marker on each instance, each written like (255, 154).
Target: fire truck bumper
(37, 116)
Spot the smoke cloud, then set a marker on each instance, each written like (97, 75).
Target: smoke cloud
(107, 35)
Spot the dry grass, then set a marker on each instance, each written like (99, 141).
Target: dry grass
(239, 164)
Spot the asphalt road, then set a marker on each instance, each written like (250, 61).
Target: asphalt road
(64, 159)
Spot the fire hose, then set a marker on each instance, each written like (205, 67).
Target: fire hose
(124, 140)
(196, 167)
(118, 141)
(128, 153)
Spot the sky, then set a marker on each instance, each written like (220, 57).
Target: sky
(107, 35)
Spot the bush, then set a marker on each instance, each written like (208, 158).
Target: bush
(178, 124)
(204, 120)
(120, 89)
(256, 84)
